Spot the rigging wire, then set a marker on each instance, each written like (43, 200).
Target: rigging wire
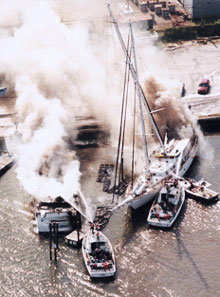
(141, 94)
(121, 121)
(133, 142)
(124, 124)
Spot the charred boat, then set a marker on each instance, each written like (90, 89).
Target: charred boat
(58, 211)
(166, 208)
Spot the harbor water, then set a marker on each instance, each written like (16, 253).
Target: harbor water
(71, 58)
(177, 263)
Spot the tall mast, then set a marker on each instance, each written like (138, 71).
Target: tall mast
(134, 76)
(139, 97)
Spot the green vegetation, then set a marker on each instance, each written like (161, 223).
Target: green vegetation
(190, 32)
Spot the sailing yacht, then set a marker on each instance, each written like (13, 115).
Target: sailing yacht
(177, 157)
(174, 156)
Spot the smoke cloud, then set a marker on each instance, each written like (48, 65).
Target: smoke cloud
(56, 75)
(172, 117)
(62, 64)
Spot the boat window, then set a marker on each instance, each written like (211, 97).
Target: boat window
(98, 244)
(163, 197)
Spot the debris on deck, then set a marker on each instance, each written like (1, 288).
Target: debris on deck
(102, 217)
(104, 176)
(121, 188)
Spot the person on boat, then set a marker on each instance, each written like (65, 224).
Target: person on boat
(97, 235)
(107, 254)
(98, 254)
(92, 226)
(158, 216)
(176, 182)
(97, 227)
(76, 198)
(191, 185)
(164, 201)
(183, 92)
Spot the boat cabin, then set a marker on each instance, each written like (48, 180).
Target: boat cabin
(99, 253)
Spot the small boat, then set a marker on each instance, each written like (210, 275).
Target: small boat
(199, 190)
(74, 239)
(166, 208)
(98, 255)
(58, 211)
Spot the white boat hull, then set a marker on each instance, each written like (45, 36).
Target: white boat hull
(200, 192)
(189, 161)
(166, 223)
(140, 200)
(98, 268)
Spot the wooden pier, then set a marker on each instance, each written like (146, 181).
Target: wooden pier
(206, 108)
(209, 122)
(54, 245)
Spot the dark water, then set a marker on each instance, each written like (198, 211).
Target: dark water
(182, 262)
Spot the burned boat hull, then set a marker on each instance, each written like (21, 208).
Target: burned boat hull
(58, 211)
(64, 220)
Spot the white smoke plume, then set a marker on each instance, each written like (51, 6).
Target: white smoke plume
(54, 70)
(46, 165)
(163, 91)
(59, 71)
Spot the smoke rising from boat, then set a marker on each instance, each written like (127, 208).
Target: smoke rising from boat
(172, 117)
(59, 72)
(53, 69)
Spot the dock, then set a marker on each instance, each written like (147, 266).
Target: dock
(206, 108)
(209, 122)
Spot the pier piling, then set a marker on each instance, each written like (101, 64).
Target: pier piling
(54, 242)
